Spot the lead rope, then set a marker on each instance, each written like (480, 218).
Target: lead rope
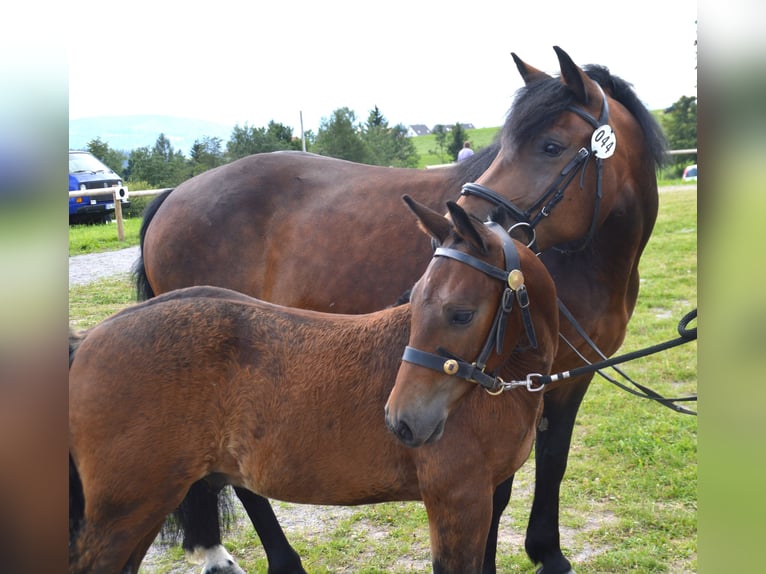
(685, 336)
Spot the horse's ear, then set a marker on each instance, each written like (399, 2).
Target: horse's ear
(431, 222)
(465, 227)
(575, 79)
(528, 73)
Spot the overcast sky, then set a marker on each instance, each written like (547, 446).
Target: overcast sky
(419, 61)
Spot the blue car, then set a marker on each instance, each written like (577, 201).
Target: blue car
(96, 182)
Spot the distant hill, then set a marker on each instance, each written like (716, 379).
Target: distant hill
(126, 133)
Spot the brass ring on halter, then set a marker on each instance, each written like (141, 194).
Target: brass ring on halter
(501, 384)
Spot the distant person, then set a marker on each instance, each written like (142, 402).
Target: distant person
(466, 152)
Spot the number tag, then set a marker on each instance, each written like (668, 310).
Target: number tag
(603, 142)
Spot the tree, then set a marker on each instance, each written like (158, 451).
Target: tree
(376, 119)
(386, 145)
(281, 137)
(679, 122)
(440, 131)
(338, 136)
(391, 147)
(113, 158)
(244, 141)
(161, 166)
(205, 154)
(248, 140)
(456, 141)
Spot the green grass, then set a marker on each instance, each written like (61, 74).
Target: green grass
(103, 237)
(428, 150)
(92, 303)
(629, 498)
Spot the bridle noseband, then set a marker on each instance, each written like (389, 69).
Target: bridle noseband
(603, 143)
(445, 362)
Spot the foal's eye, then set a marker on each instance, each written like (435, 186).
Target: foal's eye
(461, 317)
(553, 149)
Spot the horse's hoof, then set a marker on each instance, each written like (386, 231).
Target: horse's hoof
(541, 571)
(224, 568)
(218, 561)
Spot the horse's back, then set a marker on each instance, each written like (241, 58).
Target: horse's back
(278, 226)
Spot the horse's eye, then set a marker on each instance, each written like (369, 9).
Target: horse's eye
(553, 149)
(461, 317)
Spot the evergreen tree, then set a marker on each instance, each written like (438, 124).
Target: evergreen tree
(205, 154)
(376, 119)
(440, 131)
(161, 166)
(339, 137)
(386, 145)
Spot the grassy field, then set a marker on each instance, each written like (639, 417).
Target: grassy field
(430, 154)
(629, 498)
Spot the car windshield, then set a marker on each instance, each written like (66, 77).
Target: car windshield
(84, 162)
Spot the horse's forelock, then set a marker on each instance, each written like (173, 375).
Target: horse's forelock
(538, 104)
(535, 107)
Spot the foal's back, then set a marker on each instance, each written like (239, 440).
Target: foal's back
(240, 368)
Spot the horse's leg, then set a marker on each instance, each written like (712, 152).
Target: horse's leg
(499, 502)
(138, 554)
(554, 435)
(198, 518)
(458, 522)
(115, 542)
(282, 558)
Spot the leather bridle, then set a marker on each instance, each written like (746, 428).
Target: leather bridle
(446, 362)
(603, 144)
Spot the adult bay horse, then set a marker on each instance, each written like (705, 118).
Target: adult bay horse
(214, 385)
(269, 226)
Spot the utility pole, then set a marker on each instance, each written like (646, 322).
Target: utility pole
(303, 136)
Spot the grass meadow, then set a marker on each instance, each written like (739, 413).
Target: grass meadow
(629, 498)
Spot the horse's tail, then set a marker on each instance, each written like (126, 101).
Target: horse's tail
(75, 338)
(76, 502)
(144, 290)
(76, 496)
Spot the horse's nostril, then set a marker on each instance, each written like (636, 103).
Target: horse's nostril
(404, 432)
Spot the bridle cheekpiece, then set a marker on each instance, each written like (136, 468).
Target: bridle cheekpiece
(515, 290)
(602, 145)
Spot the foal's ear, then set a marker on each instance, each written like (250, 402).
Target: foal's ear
(528, 73)
(584, 88)
(464, 226)
(431, 222)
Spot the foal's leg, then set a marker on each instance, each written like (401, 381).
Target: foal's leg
(458, 522)
(138, 554)
(114, 538)
(499, 502)
(543, 542)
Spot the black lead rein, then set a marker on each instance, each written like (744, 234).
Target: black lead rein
(686, 335)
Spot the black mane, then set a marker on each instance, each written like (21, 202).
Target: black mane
(538, 104)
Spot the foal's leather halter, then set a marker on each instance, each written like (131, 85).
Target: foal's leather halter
(555, 192)
(445, 362)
